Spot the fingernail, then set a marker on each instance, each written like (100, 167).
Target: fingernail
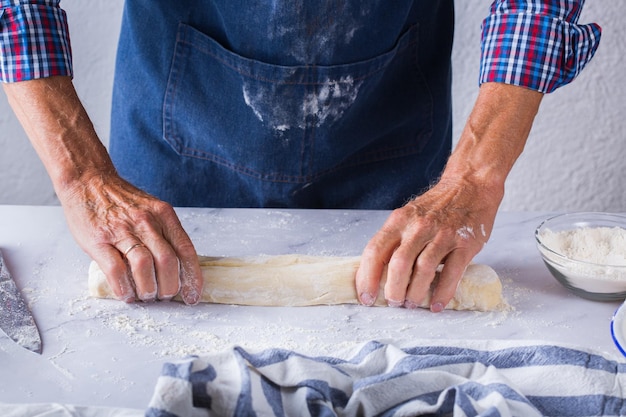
(192, 301)
(190, 296)
(437, 307)
(395, 303)
(148, 297)
(128, 297)
(367, 299)
(411, 305)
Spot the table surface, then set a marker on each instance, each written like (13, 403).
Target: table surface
(107, 353)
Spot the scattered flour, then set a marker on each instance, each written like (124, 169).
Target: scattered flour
(465, 232)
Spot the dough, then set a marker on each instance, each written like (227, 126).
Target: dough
(298, 280)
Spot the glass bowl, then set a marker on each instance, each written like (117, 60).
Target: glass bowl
(582, 256)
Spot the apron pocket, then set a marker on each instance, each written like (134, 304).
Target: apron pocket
(293, 123)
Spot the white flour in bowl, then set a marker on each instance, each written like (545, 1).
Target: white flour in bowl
(597, 245)
(602, 251)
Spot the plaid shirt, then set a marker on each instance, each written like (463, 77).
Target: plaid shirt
(536, 44)
(34, 41)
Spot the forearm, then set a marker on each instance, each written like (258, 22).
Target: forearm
(494, 136)
(60, 130)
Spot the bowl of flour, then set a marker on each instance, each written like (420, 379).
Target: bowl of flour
(586, 253)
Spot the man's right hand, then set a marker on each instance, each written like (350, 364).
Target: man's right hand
(136, 239)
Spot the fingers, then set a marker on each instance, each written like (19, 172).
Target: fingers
(155, 261)
(449, 278)
(400, 272)
(171, 265)
(441, 250)
(188, 271)
(373, 261)
(141, 267)
(136, 239)
(116, 271)
(399, 244)
(191, 277)
(414, 244)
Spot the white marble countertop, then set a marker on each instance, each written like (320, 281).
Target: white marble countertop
(107, 353)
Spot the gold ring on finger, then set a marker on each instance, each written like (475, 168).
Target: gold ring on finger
(136, 245)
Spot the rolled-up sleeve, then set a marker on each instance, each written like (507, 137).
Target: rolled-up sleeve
(536, 44)
(34, 40)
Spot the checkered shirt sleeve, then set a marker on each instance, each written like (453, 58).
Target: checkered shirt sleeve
(536, 44)
(34, 40)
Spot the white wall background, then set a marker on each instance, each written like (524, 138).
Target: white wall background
(574, 159)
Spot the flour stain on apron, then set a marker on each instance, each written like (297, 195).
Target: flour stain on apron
(310, 39)
(318, 104)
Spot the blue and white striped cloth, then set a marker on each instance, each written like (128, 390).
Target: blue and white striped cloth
(379, 379)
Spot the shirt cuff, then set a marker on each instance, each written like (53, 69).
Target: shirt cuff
(34, 42)
(541, 49)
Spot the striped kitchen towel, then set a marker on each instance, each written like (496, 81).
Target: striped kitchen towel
(469, 378)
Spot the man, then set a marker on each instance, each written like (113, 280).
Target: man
(340, 104)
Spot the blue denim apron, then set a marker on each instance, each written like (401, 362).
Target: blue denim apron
(275, 103)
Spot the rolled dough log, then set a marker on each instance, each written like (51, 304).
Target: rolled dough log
(299, 280)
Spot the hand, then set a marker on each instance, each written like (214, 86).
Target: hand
(136, 239)
(449, 224)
